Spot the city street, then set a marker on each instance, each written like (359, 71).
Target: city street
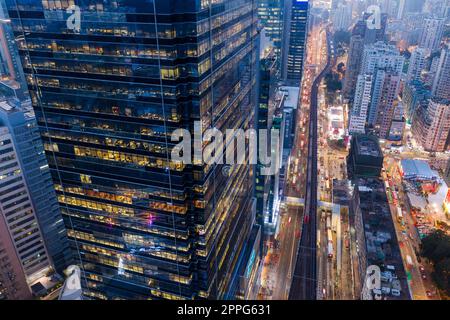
(408, 237)
(335, 282)
(304, 283)
(279, 263)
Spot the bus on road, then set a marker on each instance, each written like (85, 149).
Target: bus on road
(330, 250)
(399, 214)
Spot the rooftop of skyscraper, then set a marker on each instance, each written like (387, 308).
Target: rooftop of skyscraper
(368, 146)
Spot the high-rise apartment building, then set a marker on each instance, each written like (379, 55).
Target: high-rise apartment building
(382, 106)
(361, 36)
(334, 4)
(432, 32)
(11, 74)
(433, 61)
(381, 69)
(294, 40)
(353, 64)
(417, 63)
(431, 124)
(20, 120)
(437, 8)
(381, 56)
(409, 29)
(389, 7)
(414, 92)
(18, 116)
(441, 84)
(398, 123)
(342, 16)
(414, 5)
(107, 97)
(23, 240)
(13, 283)
(361, 103)
(401, 9)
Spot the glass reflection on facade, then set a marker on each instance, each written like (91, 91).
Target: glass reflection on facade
(296, 14)
(270, 13)
(107, 98)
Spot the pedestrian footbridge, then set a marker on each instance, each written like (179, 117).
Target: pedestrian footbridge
(293, 201)
(300, 202)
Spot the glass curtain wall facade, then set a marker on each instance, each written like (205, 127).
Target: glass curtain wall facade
(295, 29)
(270, 13)
(267, 88)
(33, 163)
(107, 98)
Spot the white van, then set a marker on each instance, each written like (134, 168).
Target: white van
(395, 292)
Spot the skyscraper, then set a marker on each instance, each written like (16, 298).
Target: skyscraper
(353, 64)
(414, 5)
(381, 69)
(401, 9)
(22, 126)
(335, 4)
(361, 103)
(433, 61)
(13, 283)
(398, 123)
(414, 92)
(441, 84)
(438, 8)
(382, 106)
(361, 36)
(342, 16)
(10, 66)
(23, 239)
(270, 13)
(417, 64)
(431, 124)
(432, 32)
(107, 97)
(295, 30)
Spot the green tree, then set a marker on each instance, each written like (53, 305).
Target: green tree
(436, 247)
(332, 82)
(441, 275)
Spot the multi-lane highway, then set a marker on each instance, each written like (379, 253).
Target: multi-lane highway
(304, 279)
(279, 263)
